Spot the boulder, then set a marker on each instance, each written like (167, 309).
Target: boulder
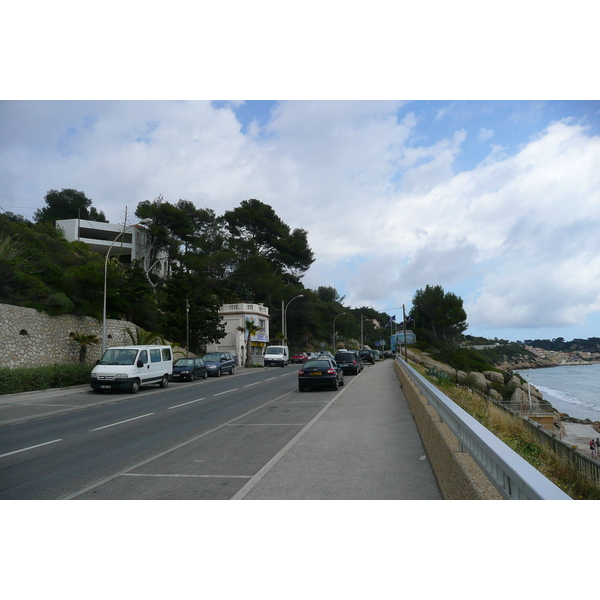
(479, 380)
(494, 376)
(497, 396)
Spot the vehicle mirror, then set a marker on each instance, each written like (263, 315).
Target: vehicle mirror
(140, 364)
(98, 362)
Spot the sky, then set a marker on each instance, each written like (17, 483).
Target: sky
(496, 201)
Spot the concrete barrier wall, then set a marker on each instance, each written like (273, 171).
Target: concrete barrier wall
(30, 338)
(457, 474)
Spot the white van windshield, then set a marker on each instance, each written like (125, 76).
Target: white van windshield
(115, 356)
(274, 351)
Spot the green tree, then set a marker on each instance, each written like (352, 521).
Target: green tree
(203, 320)
(140, 337)
(439, 316)
(248, 330)
(67, 204)
(83, 340)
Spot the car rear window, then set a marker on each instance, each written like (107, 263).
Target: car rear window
(344, 356)
(318, 364)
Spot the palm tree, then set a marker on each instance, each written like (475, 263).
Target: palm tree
(84, 340)
(144, 338)
(249, 330)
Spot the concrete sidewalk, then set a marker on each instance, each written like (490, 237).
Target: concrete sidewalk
(364, 446)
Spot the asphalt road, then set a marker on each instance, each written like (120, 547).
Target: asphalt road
(198, 440)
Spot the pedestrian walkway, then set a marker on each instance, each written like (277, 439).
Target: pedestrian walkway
(364, 446)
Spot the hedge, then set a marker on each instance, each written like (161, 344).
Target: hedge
(42, 378)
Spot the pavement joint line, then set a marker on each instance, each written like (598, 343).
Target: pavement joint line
(264, 424)
(185, 475)
(186, 403)
(121, 422)
(165, 452)
(246, 489)
(30, 448)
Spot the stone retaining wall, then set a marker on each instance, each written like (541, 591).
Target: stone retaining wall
(29, 338)
(457, 474)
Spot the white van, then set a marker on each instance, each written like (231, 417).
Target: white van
(129, 367)
(277, 356)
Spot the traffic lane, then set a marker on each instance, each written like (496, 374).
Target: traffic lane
(32, 405)
(30, 432)
(216, 465)
(102, 445)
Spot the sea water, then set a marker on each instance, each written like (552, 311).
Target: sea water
(574, 390)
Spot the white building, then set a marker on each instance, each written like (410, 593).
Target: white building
(236, 315)
(134, 244)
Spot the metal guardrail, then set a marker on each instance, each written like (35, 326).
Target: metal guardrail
(511, 474)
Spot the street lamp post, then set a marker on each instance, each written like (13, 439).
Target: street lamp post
(334, 331)
(142, 222)
(285, 316)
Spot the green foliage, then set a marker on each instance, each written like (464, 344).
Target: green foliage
(438, 315)
(465, 359)
(67, 204)
(13, 381)
(506, 353)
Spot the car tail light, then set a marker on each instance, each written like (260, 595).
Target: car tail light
(331, 371)
(300, 372)
(354, 362)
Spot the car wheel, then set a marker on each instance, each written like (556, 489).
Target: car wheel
(232, 370)
(218, 372)
(205, 375)
(135, 386)
(164, 382)
(192, 377)
(335, 384)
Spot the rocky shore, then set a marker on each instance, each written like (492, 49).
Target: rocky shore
(503, 385)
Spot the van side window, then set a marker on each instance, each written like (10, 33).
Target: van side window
(144, 356)
(155, 355)
(166, 353)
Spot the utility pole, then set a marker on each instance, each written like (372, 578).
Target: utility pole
(404, 319)
(187, 327)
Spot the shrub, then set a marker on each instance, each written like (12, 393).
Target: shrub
(13, 381)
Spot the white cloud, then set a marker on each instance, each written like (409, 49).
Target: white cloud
(385, 216)
(485, 134)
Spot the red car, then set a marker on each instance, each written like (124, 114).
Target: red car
(300, 357)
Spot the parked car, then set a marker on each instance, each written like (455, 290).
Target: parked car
(326, 354)
(350, 362)
(189, 368)
(299, 357)
(218, 363)
(321, 372)
(367, 355)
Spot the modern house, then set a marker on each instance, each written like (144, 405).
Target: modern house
(236, 315)
(129, 245)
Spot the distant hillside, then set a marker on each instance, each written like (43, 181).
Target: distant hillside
(513, 356)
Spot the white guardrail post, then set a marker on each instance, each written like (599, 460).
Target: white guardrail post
(511, 474)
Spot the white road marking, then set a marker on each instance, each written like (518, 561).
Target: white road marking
(226, 392)
(30, 448)
(271, 379)
(255, 383)
(185, 403)
(182, 475)
(121, 422)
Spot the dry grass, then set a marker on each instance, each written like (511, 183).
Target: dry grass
(513, 431)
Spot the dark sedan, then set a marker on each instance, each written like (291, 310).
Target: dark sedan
(350, 362)
(320, 373)
(189, 368)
